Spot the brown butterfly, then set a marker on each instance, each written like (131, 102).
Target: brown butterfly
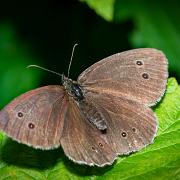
(105, 113)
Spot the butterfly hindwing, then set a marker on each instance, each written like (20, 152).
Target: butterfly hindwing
(130, 125)
(81, 140)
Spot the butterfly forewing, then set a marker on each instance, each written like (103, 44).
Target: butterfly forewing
(37, 117)
(138, 75)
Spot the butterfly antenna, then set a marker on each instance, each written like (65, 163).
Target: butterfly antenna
(71, 58)
(36, 66)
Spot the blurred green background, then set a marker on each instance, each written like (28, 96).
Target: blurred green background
(44, 32)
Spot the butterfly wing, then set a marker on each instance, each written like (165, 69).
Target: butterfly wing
(36, 118)
(82, 142)
(130, 125)
(138, 75)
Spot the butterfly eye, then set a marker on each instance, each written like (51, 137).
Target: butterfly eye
(31, 126)
(20, 114)
(123, 134)
(93, 148)
(145, 76)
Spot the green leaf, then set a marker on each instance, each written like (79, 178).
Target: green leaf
(159, 160)
(103, 8)
(12, 172)
(168, 112)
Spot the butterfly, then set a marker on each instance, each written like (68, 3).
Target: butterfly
(105, 113)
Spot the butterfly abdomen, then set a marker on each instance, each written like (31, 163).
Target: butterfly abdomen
(94, 116)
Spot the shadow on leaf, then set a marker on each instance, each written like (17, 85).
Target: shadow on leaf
(21, 155)
(13, 153)
(85, 170)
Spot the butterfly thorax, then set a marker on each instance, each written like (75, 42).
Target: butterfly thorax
(73, 88)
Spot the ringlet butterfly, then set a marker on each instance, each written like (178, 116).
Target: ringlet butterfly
(105, 113)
